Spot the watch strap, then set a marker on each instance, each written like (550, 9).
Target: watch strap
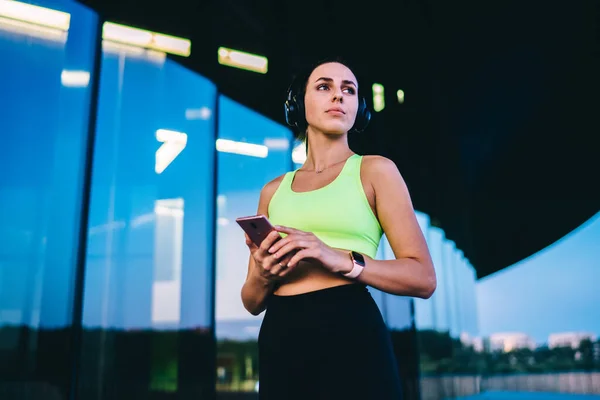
(357, 269)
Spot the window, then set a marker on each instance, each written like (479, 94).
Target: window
(45, 77)
(252, 151)
(148, 284)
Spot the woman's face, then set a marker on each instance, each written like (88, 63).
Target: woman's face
(331, 100)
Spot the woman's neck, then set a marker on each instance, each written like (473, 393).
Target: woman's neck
(325, 151)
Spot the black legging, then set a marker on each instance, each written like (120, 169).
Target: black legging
(327, 344)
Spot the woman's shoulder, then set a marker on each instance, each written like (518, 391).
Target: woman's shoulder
(271, 187)
(268, 190)
(381, 172)
(374, 165)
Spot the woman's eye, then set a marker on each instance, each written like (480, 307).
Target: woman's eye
(349, 90)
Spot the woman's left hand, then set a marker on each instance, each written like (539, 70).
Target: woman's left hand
(308, 246)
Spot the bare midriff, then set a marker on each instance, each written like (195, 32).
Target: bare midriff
(308, 277)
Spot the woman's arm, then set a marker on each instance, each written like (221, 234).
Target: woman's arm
(412, 272)
(259, 285)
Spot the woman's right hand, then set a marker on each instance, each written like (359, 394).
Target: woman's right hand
(267, 265)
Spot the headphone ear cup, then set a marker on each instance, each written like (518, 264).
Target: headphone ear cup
(294, 110)
(290, 111)
(363, 116)
(367, 116)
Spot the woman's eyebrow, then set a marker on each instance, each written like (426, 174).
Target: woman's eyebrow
(345, 81)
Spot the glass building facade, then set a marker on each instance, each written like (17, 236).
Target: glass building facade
(120, 261)
(446, 323)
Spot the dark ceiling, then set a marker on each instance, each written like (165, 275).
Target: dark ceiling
(498, 136)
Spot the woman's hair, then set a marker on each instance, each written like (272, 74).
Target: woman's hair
(297, 90)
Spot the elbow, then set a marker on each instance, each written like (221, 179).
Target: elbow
(255, 310)
(251, 306)
(252, 309)
(429, 284)
(429, 289)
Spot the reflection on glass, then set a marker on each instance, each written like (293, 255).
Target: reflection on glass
(168, 251)
(299, 154)
(147, 55)
(148, 283)
(447, 321)
(377, 294)
(35, 15)
(173, 143)
(245, 166)
(128, 35)
(436, 238)
(75, 78)
(449, 254)
(397, 313)
(243, 60)
(424, 308)
(242, 148)
(33, 31)
(44, 134)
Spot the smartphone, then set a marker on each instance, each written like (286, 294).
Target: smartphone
(257, 227)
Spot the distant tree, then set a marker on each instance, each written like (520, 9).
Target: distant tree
(436, 345)
(586, 351)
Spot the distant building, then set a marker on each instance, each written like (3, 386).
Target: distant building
(569, 339)
(509, 341)
(479, 344)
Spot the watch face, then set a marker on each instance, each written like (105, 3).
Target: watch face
(358, 258)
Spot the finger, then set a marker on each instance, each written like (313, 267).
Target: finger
(287, 230)
(267, 265)
(249, 242)
(280, 267)
(271, 266)
(280, 243)
(302, 254)
(269, 240)
(293, 245)
(263, 258)
(286, 263)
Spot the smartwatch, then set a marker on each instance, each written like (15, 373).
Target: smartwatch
(359, 264)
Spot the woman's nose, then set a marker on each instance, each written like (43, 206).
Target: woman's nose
(337, 96)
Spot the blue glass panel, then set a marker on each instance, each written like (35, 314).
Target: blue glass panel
(440, 311)
(379, 296)
(398, 308)
(45, 76)
(148, 285)
(241, 178)
(424, 308)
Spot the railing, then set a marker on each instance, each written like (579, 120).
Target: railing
(451, 386)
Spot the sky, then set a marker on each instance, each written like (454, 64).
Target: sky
(555, 290)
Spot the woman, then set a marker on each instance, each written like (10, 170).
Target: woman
(322, 335)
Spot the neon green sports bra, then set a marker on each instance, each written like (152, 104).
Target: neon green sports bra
(339, 213)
